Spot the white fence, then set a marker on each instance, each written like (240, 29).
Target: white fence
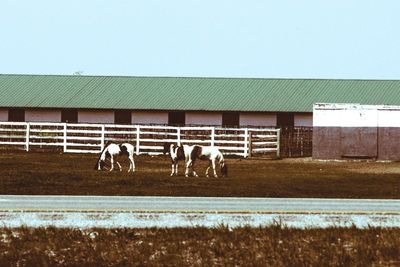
(90, 138)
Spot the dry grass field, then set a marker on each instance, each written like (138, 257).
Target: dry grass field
(73, 174)
(222, 246)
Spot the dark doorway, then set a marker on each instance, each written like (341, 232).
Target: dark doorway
(285, 120)
(176, 118)
(16, 114)
(230, 119)
(123, 117)
(69, 115)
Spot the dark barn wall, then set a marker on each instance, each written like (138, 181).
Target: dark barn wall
(345, 142)
(326, 141)
(389, 143)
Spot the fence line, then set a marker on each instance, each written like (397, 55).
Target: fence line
(148, 139)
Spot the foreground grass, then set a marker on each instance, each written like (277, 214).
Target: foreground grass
(271, 246)
(73, 174)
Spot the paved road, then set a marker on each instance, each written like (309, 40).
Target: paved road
(196, 204)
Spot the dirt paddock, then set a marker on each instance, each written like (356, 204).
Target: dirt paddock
(74, 174)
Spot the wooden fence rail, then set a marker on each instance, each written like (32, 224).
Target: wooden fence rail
(91, 138)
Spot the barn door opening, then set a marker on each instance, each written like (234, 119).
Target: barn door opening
(359, 142)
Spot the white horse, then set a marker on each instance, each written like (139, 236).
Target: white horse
(210, 153)
(177, 153)
(112, 150)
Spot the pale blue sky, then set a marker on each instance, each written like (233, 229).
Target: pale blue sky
(345, 39)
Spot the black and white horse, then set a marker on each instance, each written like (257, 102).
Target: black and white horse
(177, 153)
(190, 154)
(112, 150)
(210, 153)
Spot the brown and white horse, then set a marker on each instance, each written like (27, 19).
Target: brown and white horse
(210, 153)
(177, 153)
(112, 150)
(190, 154)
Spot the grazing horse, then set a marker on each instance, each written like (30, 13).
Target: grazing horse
(210, 153)
(176, 152)
(112, 150)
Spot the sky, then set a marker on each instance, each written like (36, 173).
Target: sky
(326, 39)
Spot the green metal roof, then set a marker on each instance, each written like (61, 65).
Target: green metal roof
(177, 93)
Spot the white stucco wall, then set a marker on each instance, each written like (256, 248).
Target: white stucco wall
(3, 114)
(95, 116)
(37, 115)
(303, 120)
(204, 118)
(149, 117)
(356, 115)
(257, 119)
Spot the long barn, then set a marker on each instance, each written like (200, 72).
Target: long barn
(181, 100)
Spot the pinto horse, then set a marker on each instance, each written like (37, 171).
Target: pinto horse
(177, 153)
(112, 150)
(210, 153)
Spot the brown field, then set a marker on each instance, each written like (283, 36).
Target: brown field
(73, 174)
(222, 246)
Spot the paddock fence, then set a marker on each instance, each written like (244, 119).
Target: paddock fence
(147, 139)
(296, 142)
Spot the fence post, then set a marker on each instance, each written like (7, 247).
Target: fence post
(65, 138)
(27, 136)
(250, 144)
(212, 136)
(247, 147)
(178, 136)
(137, 139)
(103, 128)
(278, 143)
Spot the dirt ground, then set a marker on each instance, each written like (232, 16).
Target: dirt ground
(73, 174)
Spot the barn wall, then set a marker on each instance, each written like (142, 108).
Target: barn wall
(95, 116)
(389, 134)
(356, 131)
(149, 117)
(257, 119)
(203, 118)
(3, 114)
(42, 115)
(303, 120)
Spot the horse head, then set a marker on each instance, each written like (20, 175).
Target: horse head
(166, 148)
(224, 170)
(100, 165)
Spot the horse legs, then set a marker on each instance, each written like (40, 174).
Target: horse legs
(213, 166)
(112, 163)
(119, 166)
(173, 168)
(208, 168)
(190, 166)
(176, 168)
(131, 164)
